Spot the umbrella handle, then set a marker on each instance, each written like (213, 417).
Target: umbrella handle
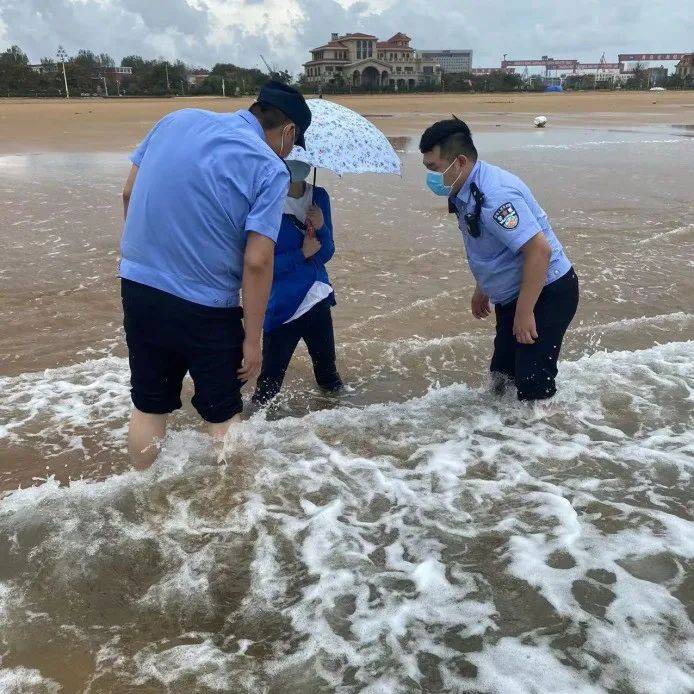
(310, 231)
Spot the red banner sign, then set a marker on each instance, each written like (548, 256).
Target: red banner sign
(599, 66)
(629, 57)
(561, 64)
(551, 64)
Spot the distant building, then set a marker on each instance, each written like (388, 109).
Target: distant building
(123, 71)
(685, 68)
(657, 76)
(604, 73)
(451, 61)
(482, 71)
(43, 68)
(197, 77)
(361, 60)
(118, 73)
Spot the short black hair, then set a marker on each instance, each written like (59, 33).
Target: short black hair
(270, 117)
(453, 136)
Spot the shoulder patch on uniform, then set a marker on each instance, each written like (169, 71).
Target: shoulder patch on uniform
(506, 216)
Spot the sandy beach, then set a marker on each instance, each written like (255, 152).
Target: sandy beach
(416, 534)
(28, 125)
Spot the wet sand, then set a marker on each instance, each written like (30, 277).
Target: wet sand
(29, 125)
(400, 273)
(416, 534)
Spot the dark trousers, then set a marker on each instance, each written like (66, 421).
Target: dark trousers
(315, 328)
(533, 367)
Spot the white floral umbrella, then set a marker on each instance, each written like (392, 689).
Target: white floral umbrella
(343, 141)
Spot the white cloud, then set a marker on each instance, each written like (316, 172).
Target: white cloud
(273, 20)
(206, 31)
(373, 5)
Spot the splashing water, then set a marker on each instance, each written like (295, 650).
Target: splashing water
(449, 543)
(452, 542)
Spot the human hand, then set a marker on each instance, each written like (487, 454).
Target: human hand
(524, 327)
(250, 367)
(479, 304)
(311, 246)
(315, 216)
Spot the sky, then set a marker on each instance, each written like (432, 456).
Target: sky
(203, 32)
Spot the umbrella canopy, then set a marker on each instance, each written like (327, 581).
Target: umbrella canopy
(343, 141)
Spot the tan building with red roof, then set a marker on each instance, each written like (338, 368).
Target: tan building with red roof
(361, 60)
(685, 68)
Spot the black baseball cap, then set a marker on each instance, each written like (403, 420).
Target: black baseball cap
(291, 102)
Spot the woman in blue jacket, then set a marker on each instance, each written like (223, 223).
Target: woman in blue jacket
(301, 298)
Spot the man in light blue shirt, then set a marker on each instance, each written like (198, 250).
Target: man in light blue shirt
(193, 205)
(516, 258)
(203, 206)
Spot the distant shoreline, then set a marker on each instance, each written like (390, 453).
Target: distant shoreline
(117, 124)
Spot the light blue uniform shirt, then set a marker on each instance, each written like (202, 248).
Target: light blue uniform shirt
(205, 180)
(510, 217)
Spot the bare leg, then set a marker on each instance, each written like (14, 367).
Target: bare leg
(218, 433)
(144, 438)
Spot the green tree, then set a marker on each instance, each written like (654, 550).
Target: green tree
(282, 76)
(457, 82)
(236, 80)
(178, 75)
(149, 77)
(588, 82)
(249, 80)
(81, 71)
(211, 85)
(496, 81)
(639, 78)
(14, 55)
(674, 81)
(16, 77)
(136, 62)
(105, 60)
(86, 72)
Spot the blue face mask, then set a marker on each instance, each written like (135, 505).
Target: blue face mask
(435, 182)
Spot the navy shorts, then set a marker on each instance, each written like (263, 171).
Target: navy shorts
(168, 337)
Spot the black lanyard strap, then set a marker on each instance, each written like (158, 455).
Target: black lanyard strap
(472, 220)
(478, 195)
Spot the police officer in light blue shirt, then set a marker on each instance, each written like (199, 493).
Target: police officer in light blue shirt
(516, 258)
(203, 206)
